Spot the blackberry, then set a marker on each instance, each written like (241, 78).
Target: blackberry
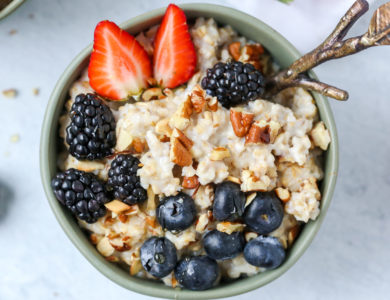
(82, 193)
(123, 179)
(233, 83)
(91, 133)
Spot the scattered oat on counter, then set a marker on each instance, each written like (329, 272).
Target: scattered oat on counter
(15, 138)
(35, 91)
(10, 93)
(12, 32)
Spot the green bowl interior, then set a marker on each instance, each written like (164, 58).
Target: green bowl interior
(285, 54)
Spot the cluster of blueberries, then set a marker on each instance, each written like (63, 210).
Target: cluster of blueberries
(176, 213)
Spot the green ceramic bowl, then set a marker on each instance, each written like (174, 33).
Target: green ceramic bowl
(10, 8)
(284, 53)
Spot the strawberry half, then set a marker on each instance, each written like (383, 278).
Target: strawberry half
(119, 67)
(174, 59)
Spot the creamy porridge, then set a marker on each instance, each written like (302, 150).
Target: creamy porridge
(185, 141)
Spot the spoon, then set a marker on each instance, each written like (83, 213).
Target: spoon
(333, 47)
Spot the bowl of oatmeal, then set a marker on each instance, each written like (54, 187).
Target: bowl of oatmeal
(187, 190)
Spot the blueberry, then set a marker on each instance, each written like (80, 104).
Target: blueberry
(266, 252)
(197, 272)
(264, 214)
(176, 213)
(220, 246)
(229, 201)
(158, 256)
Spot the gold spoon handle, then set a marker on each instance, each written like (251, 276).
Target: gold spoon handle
(335, 47)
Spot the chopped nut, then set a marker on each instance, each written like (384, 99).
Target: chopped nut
(292, 234)
(83, 165)
(219, 153)
(135, 264)
(283, 194)
(10, 93)
(151, 221)
(251, 53)
(121, 248)
(197, 99)
(181, 118)
(151, 202)
(262, 132)
(94, 238)
(230, 227)
(241, 121)
(234, 179)
(190, 182)
(202, 222)
(178, 134)
(212, 104)
(249, 199)
(180, 149)
(124, 140)
(112, 258)
(117, 206)
(139, 145)
(250, 236)
(250, 182)
(235, 50)
(154, 93)
(109, 220)
(320, 136)
(162, 127)
(179, 154)
(123, 218)
(104, 247)
(174, 281)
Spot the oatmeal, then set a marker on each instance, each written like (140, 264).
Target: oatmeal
(185, 145)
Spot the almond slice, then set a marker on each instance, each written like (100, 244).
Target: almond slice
(219, 153)
(283, 194)
(230, 227)
(117, 206)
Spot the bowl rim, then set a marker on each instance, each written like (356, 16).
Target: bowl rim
(145, 287)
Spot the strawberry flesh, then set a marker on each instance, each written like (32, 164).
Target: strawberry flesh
(174, 59)
(119, 67)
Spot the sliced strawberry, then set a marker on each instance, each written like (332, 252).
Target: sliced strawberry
(174, 58)
(119, 66)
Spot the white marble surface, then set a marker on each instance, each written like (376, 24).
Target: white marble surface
(349, 259)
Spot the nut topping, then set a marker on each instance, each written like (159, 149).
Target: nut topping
(117, 206)
(219, 153)
(181, 118)
(190, 182)
(230, 227)
(241, 121)
(235, 50)
(283, 194)
(154, 93)
(180, 149)
(198, 99)
(262, 132)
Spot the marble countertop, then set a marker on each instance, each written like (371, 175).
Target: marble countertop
(349, 258)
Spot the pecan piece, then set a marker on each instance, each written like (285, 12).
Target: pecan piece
(241, 121)
(180, 148)
(190, 182)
